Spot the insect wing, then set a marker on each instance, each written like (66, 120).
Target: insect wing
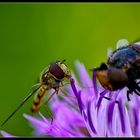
(122, 43)
(109, 52)
(31, 92)
(136, 47)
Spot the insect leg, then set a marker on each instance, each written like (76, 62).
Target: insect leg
(109, 98)
(50, 115)
(128, 93)
(133, 86)
(63, 61)
(46, 103)
(65, 94)
(137, 87)
(55, 92)
(64, 84)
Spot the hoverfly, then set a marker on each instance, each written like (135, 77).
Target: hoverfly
(122, 69)
(52, 77)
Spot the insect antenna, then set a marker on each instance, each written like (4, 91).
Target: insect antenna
(63, 61)
(31, 92)
(137, 89)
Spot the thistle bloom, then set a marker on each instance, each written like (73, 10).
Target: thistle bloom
(84, 111)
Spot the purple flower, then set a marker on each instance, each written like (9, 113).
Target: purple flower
(88, 113)
(67, 118)
(7, 135)
(85, 112)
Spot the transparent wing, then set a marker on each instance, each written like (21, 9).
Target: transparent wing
(109, 52)
(33, 89)
(138, 43)
(122, 43)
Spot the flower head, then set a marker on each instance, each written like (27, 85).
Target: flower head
(88, 114)
(67, 118)
(88, 110)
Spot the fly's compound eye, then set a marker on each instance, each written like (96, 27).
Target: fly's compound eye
(117, 78)
(56, 70)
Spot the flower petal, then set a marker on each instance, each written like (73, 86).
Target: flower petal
(78, 96)
(95, 84)
(121, 114)
(100, 99)
(83, 75)
(89, 118)
(72, 81)
(136, 122)
(7, 135)
(110, 113)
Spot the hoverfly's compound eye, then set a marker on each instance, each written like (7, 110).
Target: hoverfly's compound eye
(56, 70)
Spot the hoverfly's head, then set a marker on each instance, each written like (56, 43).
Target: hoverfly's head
(59, 70)
(64, 68)
(111, 78)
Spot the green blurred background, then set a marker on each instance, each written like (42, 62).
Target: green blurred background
(34, 34)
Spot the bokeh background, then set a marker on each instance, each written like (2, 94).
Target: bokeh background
(34, 34)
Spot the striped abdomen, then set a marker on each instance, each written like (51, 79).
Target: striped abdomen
(38, 100)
